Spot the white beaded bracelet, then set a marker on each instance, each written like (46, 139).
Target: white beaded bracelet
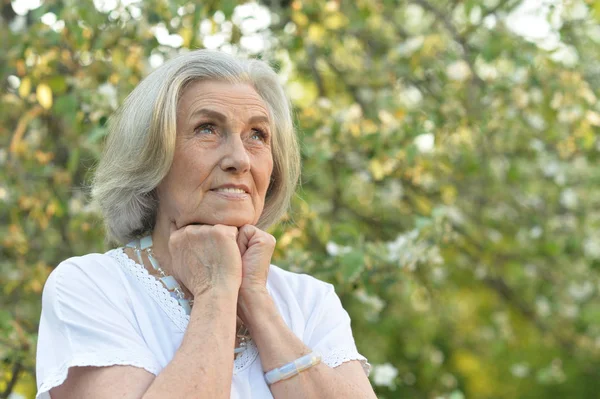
(293, 368)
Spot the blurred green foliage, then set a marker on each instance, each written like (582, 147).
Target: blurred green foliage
(450, 183)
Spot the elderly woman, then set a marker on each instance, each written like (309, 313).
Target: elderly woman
(200, 159)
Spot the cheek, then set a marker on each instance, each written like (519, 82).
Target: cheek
(266, 179)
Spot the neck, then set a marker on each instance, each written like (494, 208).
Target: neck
(160, 239)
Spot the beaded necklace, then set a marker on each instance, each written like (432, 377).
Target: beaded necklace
(171, 284)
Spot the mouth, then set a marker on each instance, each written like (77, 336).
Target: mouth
(232, 189)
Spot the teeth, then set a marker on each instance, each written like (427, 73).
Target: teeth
(231, 190)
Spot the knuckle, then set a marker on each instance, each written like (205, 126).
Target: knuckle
(175, 238)
(225, 231)
(247, 228)
(266, 239)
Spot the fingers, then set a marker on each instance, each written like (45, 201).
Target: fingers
(195, 234)
(245, 234)
(226, 231)
(250, 235)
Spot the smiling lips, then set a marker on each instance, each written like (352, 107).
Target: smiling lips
(232, 191)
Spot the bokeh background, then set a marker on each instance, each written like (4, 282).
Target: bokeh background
(450, 185)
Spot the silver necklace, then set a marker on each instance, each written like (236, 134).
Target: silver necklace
(171, 285)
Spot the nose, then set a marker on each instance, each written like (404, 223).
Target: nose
(235, 158)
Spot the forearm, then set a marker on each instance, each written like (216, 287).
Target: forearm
(203, 364)
(278, 345)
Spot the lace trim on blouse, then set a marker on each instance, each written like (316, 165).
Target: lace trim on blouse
(336, 357)
(170, 305)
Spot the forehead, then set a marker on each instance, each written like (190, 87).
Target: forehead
(223, 96)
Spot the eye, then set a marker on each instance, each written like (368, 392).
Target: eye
(259, 134)
(206, 128)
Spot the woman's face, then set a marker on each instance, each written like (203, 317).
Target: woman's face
(222, 164)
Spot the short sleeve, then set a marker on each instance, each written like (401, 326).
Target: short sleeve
(329, 333)
(85, 322)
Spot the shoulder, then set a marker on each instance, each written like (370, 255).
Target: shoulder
(78, 269)
(296, 283)
(297, 291)
(86, 276)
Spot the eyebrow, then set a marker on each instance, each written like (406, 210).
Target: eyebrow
(222, 118)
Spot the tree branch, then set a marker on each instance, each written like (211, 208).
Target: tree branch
(352, 88)
(16, 371)
(456, 36)
(312, 59)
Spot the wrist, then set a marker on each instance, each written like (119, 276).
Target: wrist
(254, 292)
(218, 294)
(255, 306)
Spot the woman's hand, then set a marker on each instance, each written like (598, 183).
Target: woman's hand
(206, 257)
(256, 249)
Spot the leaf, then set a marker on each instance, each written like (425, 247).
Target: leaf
(44, 95)
(352, 265)
(376, 168)
(66, 105)
(25, 87)
(227, 7)
(58, 84)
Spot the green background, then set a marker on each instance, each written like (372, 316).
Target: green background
(450, 185)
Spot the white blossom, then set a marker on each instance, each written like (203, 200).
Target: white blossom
(156, 60)
(324, 102)
(458, 70)
(581, 291)
(569, 114)
(486, 71)
(593, 118)
(536, 232)
(577, 10)
(436, 357)
(109, 94)
(165, 38)
(75, 205)
(425, 142)
(3, 194)
(414, 17)
(537, 95)
(591, 247)
(568, 198)
(411, 45)
(334, 249)
(569, 310)
(49, 18)
(567, 55)
(373, 301)
(251, 18)
(536, 121)
(411, 97)
(353, 113)
(520, 370)
(384, 375)
(542, 306)
(537, 145)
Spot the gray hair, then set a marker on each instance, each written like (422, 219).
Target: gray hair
(141, 141)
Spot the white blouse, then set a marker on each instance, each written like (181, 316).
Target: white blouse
(106, 309)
